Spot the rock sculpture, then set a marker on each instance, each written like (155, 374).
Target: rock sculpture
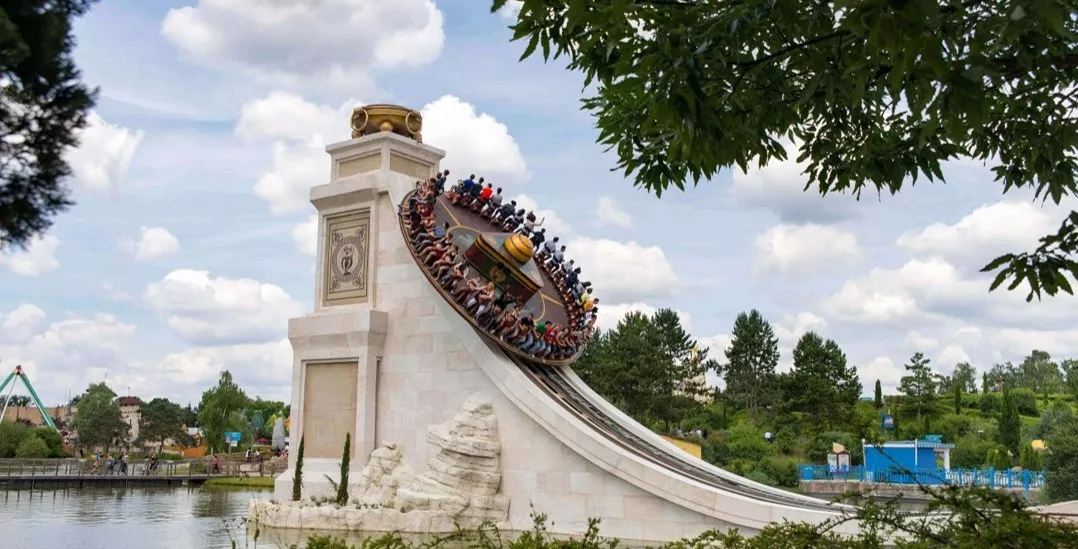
(460, 486)
(278, 434)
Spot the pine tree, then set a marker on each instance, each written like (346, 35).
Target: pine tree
(751, 359)
(1010, 426)
(821, 384)
(297, 478)
(342, 488)
(878, 400)
(957, 399)
(920, 386)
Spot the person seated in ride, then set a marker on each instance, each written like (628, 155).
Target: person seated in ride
(529, 224)
(502, 213)
(464, 292)
(566, 268)
(484, 196)
(492, 204)
(421, 225)
(453, 277)
(441, 178)
(507, 321)
(538, 238)
(438, 232)
(553, 263)
(512, 222)
(477, 189)
(548, 249)
(466, 189)
(522, 334)
(539, 345)
(437, 184)
(440, 248)
(439, 268)
(483, 296)
(549, 341)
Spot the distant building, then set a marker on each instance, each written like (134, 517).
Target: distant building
(130, 411)
(59, 414)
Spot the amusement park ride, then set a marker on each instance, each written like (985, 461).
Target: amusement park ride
(20, 375)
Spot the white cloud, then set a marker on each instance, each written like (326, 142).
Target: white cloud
(804, 249)
(305, 235)
(269, 363)
(554, 225)
(920, 342)
(103, 157)
(21, 323)
(987, 232)
(203, 309)
(153, 243)
(301, 42)
(39, 257)
(474, 142)
(299, 131)
(949, 356)
(607, 213)
(623, 271)
(511, 10)
(611, 315)
(883, 369)
(789, 331)
(780, 186)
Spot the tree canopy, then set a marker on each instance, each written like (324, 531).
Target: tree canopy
(221, 410)
(162, 419)
(43, 104)
(98, 419)
(751, 359)
(821, 384)
(876, 94)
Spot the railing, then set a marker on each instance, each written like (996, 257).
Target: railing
(74, 467)
(989, 478)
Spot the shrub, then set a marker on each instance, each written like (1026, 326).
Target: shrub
(297, 479)
(782, 470)
(342, 488)
(786, 441)
(999, 457)
(1026, 401)
(715, 452)
(32, 447)
(970, 452)
(746, 443)
(1057, 414)
(11, 435)
(757, 475)
(1030, 459)
(821, 446)
(169, 456)
(990, 403)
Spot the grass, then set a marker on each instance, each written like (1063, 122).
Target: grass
(244, 482)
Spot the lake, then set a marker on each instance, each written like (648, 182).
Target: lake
(133, 518)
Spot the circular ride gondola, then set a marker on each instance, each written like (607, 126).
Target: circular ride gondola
(507, 260)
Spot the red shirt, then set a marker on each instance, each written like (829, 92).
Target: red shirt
(485, 194)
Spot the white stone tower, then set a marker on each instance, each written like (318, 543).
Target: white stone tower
(338, 348)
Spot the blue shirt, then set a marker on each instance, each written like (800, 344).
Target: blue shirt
(439, 231)
(467, 185)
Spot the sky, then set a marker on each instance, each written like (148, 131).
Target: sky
(193, 241)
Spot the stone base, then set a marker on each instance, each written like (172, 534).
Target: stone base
(306, 515)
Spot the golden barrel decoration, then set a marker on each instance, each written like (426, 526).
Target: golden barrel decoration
(371, 119)
(520, 248)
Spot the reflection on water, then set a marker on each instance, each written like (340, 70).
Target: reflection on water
(118, 518)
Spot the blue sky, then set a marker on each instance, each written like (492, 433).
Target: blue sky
(190, 246)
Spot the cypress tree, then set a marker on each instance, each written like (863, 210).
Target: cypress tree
(342, 488)
(957, 399)
(297, 478)
(879, 395)
(1010, 426)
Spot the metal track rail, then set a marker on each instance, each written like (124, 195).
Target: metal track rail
(553, 381)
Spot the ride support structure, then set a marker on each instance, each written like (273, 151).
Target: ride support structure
(10, 380)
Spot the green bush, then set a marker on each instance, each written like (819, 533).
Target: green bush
(11, 435)
(971, 452)
(787, 441)
(747, 443)
(821, 446)
(757, 475)
(990, 403)
(1057, 414)
(953, 427)
(782, 470)
(1026, 401)
(715, 452)
(999, 457)
(1030, 459)
(32, 447)
(169, 456)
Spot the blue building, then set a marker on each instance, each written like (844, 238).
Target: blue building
(925, 458)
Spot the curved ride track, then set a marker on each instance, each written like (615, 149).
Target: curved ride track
(554, 379)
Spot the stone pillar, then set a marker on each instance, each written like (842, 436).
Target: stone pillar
(337, 349)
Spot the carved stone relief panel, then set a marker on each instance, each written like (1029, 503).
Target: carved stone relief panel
(408, 166)
(347, 246)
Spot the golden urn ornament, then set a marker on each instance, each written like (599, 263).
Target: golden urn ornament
(370, 119)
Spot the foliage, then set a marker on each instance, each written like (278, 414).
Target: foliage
(875, 93)
(820, 383)
(786, 441)
(217, 410)
(1069, 368)
(1000, 457)
(98, 419)
(957, 399)
(877, 395)
(970, 452)
(13, 435)
(646, 364)
(1055, 416)
(1030, 459)
(1062, 463)
(821, 446)
(782, 470)
(297, 479)
(920, 386)
(1025, 400)
(965, 377)
(751, 359)
(160, 420)
(990, 403)
(746, 442)
(43, 105)
(32, 447)
(1010, 426)
(20, 401)
(1039, 373)
(342, 487)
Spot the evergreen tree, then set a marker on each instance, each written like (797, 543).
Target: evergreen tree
(820, 383)
(984, 383)
(1010, 425)
(878, 395)
(919, 386)
(221, 410)
(957, 399)
(342, 488)
(751, 359)
(98, 420)
(1061, 463)
(297, 477)
(43, 105)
